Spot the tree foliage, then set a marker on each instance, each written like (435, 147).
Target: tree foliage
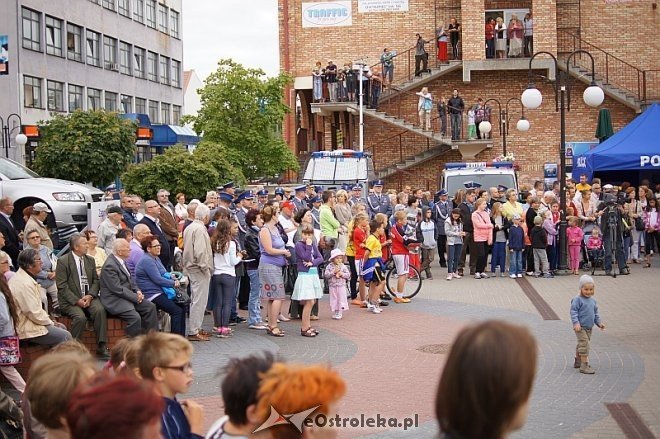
(177, 170)
(85, 146)
(243, 110)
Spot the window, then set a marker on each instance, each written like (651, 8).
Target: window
(153, 111)
(110, 53)
(138, 57)
(164, 70)
(125, 58)
(176, 73)
(110, 101)
(126, 104)
(32, 92)
(75, 98)
(151, 13)
(74, 42)
(176, 114)
(55, 93)
(53, 36)
(124, 8)
(140, 105)
(152, 66)
(165, 113)
(93, 99)
(174, 23)
(31, 29)
(162, 18)
(93, 48)
(138, 11)
(109, 4)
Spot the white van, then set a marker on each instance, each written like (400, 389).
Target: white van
(487, 174)
(334, 169)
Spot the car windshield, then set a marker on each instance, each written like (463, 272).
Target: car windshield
(338, 169)
(14, 171)
(456, 182)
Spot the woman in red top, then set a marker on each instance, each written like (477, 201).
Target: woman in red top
(358, 236)
(400, 254)
(490, 38)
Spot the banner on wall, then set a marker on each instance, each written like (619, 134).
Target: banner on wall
(574, 149)
(382, 5)
(327, 14)
(4, 54)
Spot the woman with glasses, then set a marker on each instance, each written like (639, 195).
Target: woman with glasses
(46, 277)
(149, 278)
(94, 251)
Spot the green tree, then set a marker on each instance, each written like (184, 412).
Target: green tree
(177, 170)
(86, 146)
(243, 110)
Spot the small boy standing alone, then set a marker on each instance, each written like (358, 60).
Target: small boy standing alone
(516, 245)
(584, 315)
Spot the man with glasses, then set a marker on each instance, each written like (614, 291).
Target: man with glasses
(151, 220)
(34, 324)
(78, 293)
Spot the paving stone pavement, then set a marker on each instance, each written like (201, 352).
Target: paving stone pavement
(378, 355)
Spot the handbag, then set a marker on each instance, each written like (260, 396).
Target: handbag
(11, 429)
(181, 296)
(639, 224)
(10, 351)
(290, 273)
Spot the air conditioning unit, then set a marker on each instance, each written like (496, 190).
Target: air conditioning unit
(112, 66)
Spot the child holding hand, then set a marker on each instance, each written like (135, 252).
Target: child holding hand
(336, 274)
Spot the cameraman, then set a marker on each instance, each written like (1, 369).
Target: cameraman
(611, 211)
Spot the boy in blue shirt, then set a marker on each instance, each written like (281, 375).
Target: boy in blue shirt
(516, 245)
(584, 315)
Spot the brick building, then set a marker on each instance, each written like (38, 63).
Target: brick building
(627, 68)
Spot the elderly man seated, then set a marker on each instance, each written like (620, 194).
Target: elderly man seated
(119, 295)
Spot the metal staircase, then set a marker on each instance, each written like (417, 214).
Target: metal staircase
(416, 82)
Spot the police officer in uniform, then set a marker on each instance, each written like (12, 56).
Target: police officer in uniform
(300, 200)
(378, 202)
(262, 198)
(315, 202)
(356, 196)
(441, 212)
(244, 202)
(279, 194)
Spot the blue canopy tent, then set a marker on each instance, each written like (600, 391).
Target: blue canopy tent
(632, 154)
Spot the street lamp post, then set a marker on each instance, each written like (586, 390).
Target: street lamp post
(20, 139)
(531, 98)
(522, 125)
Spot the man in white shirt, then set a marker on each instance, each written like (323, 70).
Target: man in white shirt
(107, 231)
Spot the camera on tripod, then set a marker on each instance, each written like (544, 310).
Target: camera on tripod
(612, 200)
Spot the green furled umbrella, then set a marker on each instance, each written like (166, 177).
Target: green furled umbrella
(604, 128)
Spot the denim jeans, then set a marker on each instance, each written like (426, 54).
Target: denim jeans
(515, 262)
(234, 309)
(456, 126)
(499, 257)
(223, 287)
(453, 256)
(254, 303)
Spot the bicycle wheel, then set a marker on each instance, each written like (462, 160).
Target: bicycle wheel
(413, 284)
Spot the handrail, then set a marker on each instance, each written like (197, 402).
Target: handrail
(612, 69)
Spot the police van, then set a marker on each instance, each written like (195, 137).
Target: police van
(488, 174)
(334, 169)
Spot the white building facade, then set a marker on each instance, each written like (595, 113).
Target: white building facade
(64, 55)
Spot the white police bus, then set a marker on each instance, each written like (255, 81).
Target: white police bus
(334, 169)
(488, 174)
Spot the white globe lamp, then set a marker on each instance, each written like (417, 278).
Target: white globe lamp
(21, 139)
(485, 127)
(522, 125)
(593, 96)
(532, 98)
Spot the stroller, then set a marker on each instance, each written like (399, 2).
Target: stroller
(595, 253)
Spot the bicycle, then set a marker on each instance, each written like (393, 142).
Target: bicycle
(414, 282)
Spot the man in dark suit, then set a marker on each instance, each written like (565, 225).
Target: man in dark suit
(168, 221)
(119, 295)
(78, 293)
(152, 213)
(12, 239)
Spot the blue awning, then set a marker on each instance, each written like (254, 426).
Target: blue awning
(170, 135)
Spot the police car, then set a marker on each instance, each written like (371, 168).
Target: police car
(342, 167)
(488, 174)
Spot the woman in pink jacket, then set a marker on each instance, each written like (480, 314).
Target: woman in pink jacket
(483, 235)
(652, 223)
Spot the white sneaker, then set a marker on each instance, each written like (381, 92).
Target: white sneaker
(339, 315)
(449, 277)
(376, 310)
(334, 315)
(370, 307)
(477, 276)
(484, 276)
(456, 276)
(512, 276)
(519, 275)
